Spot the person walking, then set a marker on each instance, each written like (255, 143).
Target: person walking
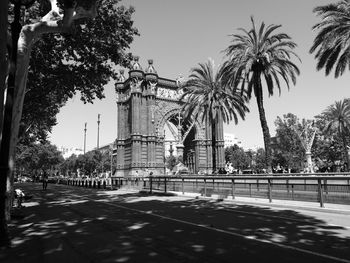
(45, 180)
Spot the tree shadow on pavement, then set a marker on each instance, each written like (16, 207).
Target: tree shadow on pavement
(70, 224)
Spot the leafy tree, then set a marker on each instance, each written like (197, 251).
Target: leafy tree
(82, 62)
(238, 157)
(259, 160)
(89, 49)
(288, 150)
(338, 121)
(69, 165)
(327, 146)
(38, 157)
(331, 44)
(207, 99)
(256, 55)
(106, 160)
(90, 163)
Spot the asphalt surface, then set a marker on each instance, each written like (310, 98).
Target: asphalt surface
(70, 224)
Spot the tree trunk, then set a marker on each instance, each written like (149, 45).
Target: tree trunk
(5, 200)
(265, 129)
(3, 52)
(18, 79)
(13, 113)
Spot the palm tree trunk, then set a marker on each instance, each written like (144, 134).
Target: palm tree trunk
(265, 129)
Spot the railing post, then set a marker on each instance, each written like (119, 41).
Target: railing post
(325, 186)
(269, 190)
(150, 184)
(164, 184)
(233, 189)
(320, 192)
(182, 182)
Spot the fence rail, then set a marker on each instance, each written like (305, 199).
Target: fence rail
(322, 189)
(329, 188)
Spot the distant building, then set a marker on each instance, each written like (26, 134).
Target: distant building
(68, 152)
(230, 140)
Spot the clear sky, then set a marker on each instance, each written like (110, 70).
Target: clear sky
(178, 35)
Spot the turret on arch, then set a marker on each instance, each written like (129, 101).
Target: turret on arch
(147, 105)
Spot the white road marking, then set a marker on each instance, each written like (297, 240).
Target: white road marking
(225, 232)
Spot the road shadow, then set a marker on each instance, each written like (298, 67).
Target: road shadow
(70, 224)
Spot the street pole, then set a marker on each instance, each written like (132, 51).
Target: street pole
(85, 138)
(111, 148)
(98, 130)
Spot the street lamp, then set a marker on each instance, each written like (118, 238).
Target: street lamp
(98, 130)
(85, 137)
(111, 151)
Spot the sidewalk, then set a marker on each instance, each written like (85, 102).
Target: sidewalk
(283, 204)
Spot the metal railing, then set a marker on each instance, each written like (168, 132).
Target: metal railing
(330, 188)
(322, 188)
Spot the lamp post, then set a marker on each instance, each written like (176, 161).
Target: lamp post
(6, 164)
(98, 130)
(111, 150)
(85, 137)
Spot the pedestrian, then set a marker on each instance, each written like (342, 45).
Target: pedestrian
(45, 180)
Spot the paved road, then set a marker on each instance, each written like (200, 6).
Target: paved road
(70, 224)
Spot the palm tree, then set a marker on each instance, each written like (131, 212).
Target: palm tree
(338, 116)
(205, 98)
(257, 55)
(332, 42)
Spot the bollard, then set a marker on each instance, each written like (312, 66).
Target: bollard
(164, 184)
(183, 190)
(320, 192)
(205, 187)
(150, 184)
(269, 190)
(233, 189)
(325, 186)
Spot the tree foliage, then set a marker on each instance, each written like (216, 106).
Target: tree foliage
(257, 55)
(81, 62)
(331, 44)
(207, 99)
(91, 163)
(38, 157)
(288, 150)
(337, 122)
(238, 157)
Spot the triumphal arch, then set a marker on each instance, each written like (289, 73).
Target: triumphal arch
(147, 106)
